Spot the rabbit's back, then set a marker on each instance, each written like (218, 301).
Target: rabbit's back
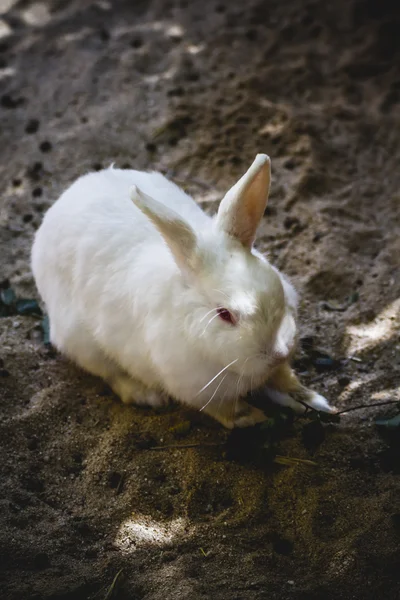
(105, 196)
(95, 223)
(108, 192)
(95, 251)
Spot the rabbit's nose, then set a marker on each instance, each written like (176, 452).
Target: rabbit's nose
(279, 356)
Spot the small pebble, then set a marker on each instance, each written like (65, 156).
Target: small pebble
(45, 146)
(344, 380)
(32, 126)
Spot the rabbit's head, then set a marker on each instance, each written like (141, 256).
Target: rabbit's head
(237, 309)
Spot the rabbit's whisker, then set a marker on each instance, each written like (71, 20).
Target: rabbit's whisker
(237, 396)
(216, 390)
(221, 292)
(207, 313)
(221, 401)
(233, 408)
(212, 319)
(217, 375)
(238, 384)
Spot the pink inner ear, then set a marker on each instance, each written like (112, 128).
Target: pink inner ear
(242, 208)
(257, 196)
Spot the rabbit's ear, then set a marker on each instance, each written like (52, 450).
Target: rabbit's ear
(242, 208)
(178, 235)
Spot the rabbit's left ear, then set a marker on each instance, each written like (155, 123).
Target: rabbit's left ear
(178, 235)
(242, 208)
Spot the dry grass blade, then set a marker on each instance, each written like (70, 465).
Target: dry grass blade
(184, 446)
(113, 586)
(287, 460)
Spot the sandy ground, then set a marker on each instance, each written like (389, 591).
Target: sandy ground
(196, 89)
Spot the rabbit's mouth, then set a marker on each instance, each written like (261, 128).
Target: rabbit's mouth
(264, 364)
(256, 366)
(277, 359)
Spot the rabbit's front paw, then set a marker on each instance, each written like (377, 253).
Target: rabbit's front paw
(247, 415)
(318, 402)
(285, 399)
(301, 399)
(133, 392)
(243, 415)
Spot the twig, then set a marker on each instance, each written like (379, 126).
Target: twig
(287, 460)
(183, 446)
(120, 484)
(280, 460)
(111, 589)
(341, 412)
(346, 410)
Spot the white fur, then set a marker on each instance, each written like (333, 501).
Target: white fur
(131, 291)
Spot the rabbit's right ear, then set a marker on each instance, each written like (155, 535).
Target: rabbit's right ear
(178, 235)
(242, 208)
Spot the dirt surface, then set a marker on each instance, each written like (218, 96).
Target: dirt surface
(196, 89)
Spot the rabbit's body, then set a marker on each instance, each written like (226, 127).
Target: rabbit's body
(132, 298)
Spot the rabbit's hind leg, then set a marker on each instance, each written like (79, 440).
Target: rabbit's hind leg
(132, 391)
(73, 339)
(76, 342)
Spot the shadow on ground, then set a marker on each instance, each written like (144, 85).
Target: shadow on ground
(196, 89)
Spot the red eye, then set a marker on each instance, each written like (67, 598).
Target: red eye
(225, 315)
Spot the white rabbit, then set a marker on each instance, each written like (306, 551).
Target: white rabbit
(145, 290)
